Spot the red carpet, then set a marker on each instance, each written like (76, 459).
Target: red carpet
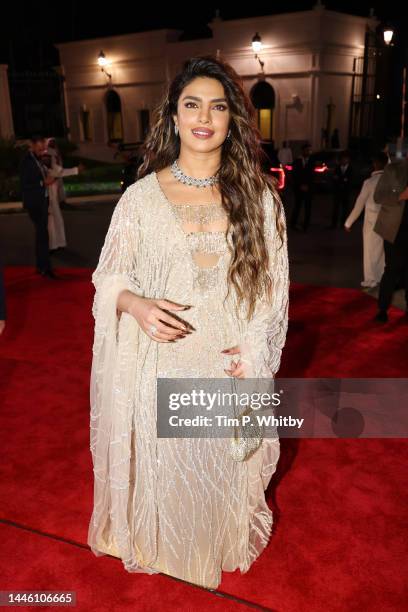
(339, 540)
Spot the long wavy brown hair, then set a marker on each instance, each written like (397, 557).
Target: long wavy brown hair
(242, 180)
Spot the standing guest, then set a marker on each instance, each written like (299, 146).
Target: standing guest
(303, 185)
(35, 184)
(392, 225)
(373, 244)
(342, 181)
(55, 154)
(285, 154)
(56, 229)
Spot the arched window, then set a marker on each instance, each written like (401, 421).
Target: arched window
(263, 98)
(114, 116)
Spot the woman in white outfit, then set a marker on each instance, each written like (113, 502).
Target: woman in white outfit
(56, 229)
(373, 244)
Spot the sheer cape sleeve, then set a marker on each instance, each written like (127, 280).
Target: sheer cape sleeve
(112, 388)
(117, 266)
(265, 336)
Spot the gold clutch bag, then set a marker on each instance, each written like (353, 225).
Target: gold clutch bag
(247, 437)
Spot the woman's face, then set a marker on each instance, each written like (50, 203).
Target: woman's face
(202, 105)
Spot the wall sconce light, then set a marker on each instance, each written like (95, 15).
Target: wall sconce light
(102, 62)
(256, 47)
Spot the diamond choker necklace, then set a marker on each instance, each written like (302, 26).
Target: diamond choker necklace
(190, 180)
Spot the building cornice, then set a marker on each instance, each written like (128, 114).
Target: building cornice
(244, 77)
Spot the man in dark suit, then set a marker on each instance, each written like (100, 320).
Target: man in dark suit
(34, 188)
(342, 180)
(302, 175)
(392, 225)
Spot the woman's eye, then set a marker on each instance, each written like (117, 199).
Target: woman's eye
(221, 106)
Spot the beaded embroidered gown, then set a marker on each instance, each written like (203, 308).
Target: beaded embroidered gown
(181, 506)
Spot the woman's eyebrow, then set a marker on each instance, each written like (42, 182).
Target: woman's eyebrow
(200, 99)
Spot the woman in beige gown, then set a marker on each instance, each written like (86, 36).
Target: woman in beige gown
(181, 506)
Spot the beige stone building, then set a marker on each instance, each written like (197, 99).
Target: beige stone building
(306, 86)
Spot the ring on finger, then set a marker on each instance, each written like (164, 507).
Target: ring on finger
(153, 329)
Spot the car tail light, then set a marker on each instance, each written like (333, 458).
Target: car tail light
(321, 168)
(281, 177)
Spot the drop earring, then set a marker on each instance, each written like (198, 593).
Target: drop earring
(175, 129)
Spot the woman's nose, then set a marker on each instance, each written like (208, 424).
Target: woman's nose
(204, 118)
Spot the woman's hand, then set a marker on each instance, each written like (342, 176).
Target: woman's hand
(238, 369)
(149, 311)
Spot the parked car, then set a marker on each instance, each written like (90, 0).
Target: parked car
(272, 165)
